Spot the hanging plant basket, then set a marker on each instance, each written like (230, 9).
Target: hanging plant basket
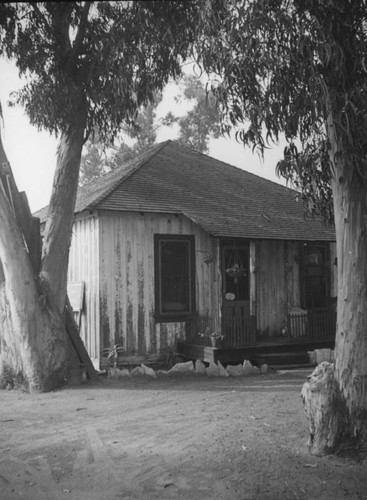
(235, 268)
(236, 271)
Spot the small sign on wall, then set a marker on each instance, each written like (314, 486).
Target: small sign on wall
(76, 295)
(230, 296)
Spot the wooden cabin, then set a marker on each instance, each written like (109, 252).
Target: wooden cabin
(174, 245)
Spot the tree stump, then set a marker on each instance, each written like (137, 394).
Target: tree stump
(325, 410)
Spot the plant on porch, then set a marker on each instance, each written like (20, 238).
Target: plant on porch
(112, 353)
(216, 337)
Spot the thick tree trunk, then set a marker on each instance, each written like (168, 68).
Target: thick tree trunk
(349, 397)
(324, 408)
(34, 348)
(350, 205)
(57, 236)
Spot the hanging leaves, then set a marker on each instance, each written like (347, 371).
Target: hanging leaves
(282, 67)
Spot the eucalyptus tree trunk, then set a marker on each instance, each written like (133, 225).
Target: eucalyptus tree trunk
(34, 349)
(57, 235)
(350, 205)
(336, 396)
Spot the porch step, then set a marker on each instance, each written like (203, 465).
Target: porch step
(284, 359)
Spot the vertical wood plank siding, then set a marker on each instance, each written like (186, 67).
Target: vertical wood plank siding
(278, 289)
(271, 286)
(113, 254)
(83, 266)
(127, 280)
(278, 283)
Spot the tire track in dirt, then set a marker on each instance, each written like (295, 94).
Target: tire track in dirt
(185, 439)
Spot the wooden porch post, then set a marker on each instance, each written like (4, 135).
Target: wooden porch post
(252, 277)
(219, 286)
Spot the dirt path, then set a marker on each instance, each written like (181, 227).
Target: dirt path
(186, 438)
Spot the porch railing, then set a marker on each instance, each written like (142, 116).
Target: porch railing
(312, 325)
(199, 328)
(237, 329)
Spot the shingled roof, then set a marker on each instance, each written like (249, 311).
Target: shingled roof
(224, 200)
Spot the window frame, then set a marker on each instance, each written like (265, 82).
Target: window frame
(175, 316)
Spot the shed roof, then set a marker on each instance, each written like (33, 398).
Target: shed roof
(224, 200)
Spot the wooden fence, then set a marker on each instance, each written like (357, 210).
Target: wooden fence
(312, 325)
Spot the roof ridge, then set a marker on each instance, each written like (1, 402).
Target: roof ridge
(154, 150)
(235, 167)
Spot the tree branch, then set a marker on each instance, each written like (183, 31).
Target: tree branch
(41, 18)
(60, 19)
(80, 33)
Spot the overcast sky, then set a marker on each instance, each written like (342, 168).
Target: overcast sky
(32, 154)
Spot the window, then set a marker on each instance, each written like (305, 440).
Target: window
(174, 277)
(316, 277)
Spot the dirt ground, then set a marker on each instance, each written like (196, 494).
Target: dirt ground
(187, 438)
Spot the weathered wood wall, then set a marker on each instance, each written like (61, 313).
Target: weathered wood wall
(277, 274)
(113, 254)
(271, 277)
(83, 266)
(127, 280)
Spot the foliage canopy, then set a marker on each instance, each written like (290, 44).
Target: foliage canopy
(289, 67)
(102, 60)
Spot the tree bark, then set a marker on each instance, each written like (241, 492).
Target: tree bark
(35, 352)
(60, 217)
(324, 408)
(350, 370)
(350, 206)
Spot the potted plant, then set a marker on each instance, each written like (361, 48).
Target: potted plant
(216, 337)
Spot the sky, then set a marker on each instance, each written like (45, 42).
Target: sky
(32, 153)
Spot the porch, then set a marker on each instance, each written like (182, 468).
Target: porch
(304, 331)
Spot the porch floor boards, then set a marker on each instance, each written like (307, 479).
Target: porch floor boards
(254, 353)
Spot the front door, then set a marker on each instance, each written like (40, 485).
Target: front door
(235, 291)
